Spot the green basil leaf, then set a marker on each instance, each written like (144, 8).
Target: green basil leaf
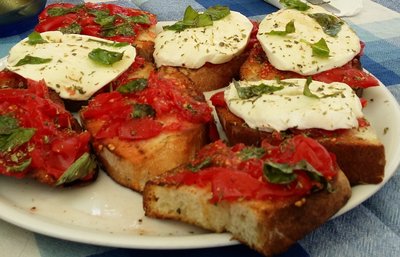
(178, 26)
(20, 167)
(133, 86)
(217, 12)
(113, 44)
(99, 13)
(320, 49)
(278, 173)
(35, 38)
(256, 90)
(104, 56)
(307, 91)
(79, 169)
(190, 16)
(193, 19)
(105, 21)
(73, 28)
(282, 173)
(118, 44)
(59, 11)
(7, 124)
(288, 29)
(251, 152)
(17, 137)
(329, 23)
(295, 4)
(143, 110)
(123, 29)
(140, 19)
(204, 164)
(29, 59)
(203, 20)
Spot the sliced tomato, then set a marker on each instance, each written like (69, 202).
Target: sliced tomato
(232, 178)
(349, 75)
(230, 185)
(56, 22)
(140, 129)
(9, 79)
(300, 148)
(218, 99)
(92, 30)
(44, 14)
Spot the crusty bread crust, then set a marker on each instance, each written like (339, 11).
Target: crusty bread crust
(359, 153)
(133, 163)
(210, 76)
(268, 226)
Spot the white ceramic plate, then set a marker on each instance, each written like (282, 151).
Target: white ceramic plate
(107, 214)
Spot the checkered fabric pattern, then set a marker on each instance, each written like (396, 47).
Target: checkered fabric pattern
(371, 229)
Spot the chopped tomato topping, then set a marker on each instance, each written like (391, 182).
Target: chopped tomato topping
(350, 73)
(362, 123)
(100, 20)
(218, 99)
(240, 172)
(53, 146)
(9, 79)
(167, 105)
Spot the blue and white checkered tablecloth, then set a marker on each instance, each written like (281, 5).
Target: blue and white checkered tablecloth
(372, 229)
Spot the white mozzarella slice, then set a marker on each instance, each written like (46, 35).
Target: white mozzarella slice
(336, 107)
(293, 52)
(70, 72)
(193, 47)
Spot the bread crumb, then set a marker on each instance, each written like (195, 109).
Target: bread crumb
(300, 202)
(111, 147)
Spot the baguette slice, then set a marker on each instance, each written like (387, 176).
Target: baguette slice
(270, 226)
(131, 162)
(359, 152)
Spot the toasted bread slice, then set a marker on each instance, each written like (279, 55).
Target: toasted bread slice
(177, 136)
(269, 225)
(210, 76)
(359, 153)
(132, 164)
